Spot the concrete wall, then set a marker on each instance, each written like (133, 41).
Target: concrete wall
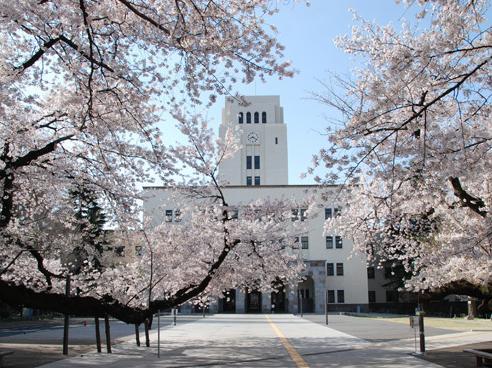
(354, 281)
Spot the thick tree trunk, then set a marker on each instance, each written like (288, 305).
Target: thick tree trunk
(472, 308)
(137, 334)
(108, 333)
(147, 339)
(98, 334)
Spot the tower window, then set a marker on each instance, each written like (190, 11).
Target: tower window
(257, 117)
(249, 181)
(338, 242)
(304, 242)
(331, 296)
(241, 117)
(276, 140)
(329, 242)
(263, 117)
(340, 296)
(257, 162)
(257, 180)
(248, 118)
(339, 269)
(248, 163)
(330, 271)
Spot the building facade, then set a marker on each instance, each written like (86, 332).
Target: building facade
(259, 170)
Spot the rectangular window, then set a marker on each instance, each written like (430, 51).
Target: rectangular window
(340, 296)
(295, 213)
(119, 251)
(329, 242)
(276, 140)
(337, 212)
(257, 180)
(338, 242)
(249, 181)
(257, 162)
(304, 242)
(339, 269)
(177, 215)
(370, 272)
(331, 296)
(303, 214)
(249, 165)
(296, 242)
(169, 215)
(138, 251)
(327, 213)
(329, 269)
(372, 296)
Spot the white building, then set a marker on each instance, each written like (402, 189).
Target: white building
(260, 170)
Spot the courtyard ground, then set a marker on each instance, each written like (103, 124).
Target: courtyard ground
(248, 341)
(276, 341)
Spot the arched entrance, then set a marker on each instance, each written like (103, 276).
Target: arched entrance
(253, 302)
(306, 295)
(228, 302)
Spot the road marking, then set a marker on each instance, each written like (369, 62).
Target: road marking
(294, 355)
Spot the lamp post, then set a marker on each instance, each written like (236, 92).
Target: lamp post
(326, 306)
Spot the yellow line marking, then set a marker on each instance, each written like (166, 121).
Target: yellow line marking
(294, 355)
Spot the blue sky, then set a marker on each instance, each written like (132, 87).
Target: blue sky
(308, 32)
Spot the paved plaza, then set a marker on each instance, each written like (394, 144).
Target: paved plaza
(244, 340)
(264, 341)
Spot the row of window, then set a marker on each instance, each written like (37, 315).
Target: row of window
(249, 181)
(173, 215)
(329, 213)
(338, 242)
(249, 162)
(340, 296)
(299, 214)
(256, 117)
(332, 212)
(304, 241)
(330, 269)
(329, 242)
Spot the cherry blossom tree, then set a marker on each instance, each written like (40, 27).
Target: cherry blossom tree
(414, 149)
(83, 85)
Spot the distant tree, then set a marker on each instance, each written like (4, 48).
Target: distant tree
(416, 143)
(89, 224)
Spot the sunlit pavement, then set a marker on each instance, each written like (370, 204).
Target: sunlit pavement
(252, 341)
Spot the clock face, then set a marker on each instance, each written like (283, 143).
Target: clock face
(253, 137)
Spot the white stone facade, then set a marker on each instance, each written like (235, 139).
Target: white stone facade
(267, 138)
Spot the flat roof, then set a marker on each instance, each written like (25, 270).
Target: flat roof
(254, 186)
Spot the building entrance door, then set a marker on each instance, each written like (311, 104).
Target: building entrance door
(229, 301)
(253, 302)
(278, 301)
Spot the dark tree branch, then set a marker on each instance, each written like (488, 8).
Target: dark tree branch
(467, 200)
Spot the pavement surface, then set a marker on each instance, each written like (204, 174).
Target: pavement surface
(253, 341)
(35, 343)
(373, 330)
(279, 340)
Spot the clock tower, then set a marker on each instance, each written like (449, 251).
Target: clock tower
(262, 159)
